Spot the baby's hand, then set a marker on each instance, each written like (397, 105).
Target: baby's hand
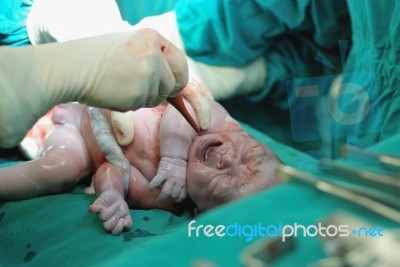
(113, 211)
(172, 174)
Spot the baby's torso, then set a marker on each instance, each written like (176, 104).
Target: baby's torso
(144, 151)
(143, 154)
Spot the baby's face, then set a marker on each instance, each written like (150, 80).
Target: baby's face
(223, 167)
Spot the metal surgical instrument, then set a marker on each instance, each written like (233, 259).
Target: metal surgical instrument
(286, 172)
(178, 103)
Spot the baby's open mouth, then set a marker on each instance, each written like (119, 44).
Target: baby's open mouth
(205, 148)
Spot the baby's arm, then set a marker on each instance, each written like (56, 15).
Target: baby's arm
(176, 136)
(110, 205)
(111, 181)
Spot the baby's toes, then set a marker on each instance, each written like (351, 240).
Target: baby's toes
(96, 207)
(119, 227)
(112, 223)
(108, 213)
(116, 218)
(127, 222)
(115, 225)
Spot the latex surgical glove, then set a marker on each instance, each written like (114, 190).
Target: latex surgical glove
(222, 81)
(225, 82)
(205, 81)
(196, 92)
(50, 21)
(121, 71)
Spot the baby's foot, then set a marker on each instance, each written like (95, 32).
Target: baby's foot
(113, 211)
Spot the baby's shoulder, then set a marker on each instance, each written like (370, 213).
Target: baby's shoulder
(148, 119)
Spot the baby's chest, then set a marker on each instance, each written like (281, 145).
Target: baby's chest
(144, 156)
(144, 152)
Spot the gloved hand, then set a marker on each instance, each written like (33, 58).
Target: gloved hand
(196, 92)
(50, 21)
(120, 71)
(223, 81)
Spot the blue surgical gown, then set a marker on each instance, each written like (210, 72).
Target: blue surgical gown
(13, 14)
(290, 35)
(373, 63)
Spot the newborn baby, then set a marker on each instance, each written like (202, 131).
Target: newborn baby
(167, 159)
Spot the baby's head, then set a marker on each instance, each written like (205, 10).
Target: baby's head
(226, 166)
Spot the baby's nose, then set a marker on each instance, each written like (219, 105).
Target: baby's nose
(226, 161)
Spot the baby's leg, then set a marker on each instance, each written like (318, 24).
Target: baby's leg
(64, 162)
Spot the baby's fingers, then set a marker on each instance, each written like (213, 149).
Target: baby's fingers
(119, 227)
(96, 208)
(120, 208)
(107, 213)
(127, 222)
(166, 191)
(116, 224)
(178, 193)
(110, 224)
(116, 218)
(183, 195)
(156, 182)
